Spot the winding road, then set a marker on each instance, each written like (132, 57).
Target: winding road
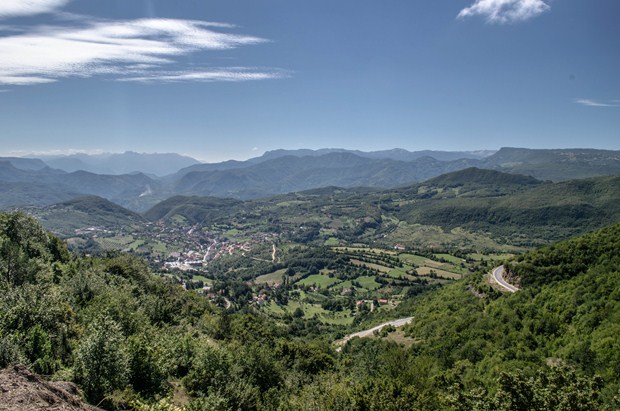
(497, 275)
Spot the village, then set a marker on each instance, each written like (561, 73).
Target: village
(175, 247)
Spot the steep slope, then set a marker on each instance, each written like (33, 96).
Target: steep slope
(83, 212)
(122, 163)
(552, 211)
(24, 163)
(477, 176)
(473, 334)
(397, 154)
(567, 259)
(476, 182)
(290, 173)
(192, 209)
(555, 164)
(46, 186)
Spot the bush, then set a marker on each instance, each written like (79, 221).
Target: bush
(101, 363)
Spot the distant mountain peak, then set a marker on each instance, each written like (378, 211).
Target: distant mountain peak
(158, 164)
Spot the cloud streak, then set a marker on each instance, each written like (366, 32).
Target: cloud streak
(593, 103)
(505, 11)
(14, 8)
(144, 50)
(207, 76)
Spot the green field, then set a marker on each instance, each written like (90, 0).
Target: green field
(368, 282)
(320, 280)
(271, 278)
(450, 258)
(413, 259)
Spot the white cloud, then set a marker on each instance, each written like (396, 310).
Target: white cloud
(139, 50)
(594, 103)
(220, 74)
(505, 11)
(11, 8)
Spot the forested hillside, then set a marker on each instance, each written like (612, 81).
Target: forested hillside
(131, 340)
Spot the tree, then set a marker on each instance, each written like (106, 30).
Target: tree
(102, 363)
(560, 388)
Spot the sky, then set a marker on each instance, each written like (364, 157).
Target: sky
(231, 79)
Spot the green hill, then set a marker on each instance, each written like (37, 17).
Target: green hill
(84, 212)
(549, 211)
(481, 177)
(566, 315)
(568, 259)
(192, 209)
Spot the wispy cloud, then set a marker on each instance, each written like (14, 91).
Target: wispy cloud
(142, 50)
(505, 11)
(215, 74)
(12, 8)
(595, 103)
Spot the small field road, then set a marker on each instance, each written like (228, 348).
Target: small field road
(367, 333)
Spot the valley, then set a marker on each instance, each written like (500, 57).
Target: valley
(317, 287)
(309, 205)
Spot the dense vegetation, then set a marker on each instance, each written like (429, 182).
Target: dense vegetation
(131, 339)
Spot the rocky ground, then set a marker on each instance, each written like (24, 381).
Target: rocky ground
(22, 390)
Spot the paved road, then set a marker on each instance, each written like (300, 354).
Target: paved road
(497, 274)
(367, 333)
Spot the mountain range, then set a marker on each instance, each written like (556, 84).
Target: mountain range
(505, 208)
(157, 164)
(44, 181)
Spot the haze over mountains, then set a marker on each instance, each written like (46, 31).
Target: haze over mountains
(158, 164)
(134, 180)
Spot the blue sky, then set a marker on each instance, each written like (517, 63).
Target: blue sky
(234, 78)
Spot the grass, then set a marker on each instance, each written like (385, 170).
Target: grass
(310, 310)
(368, 282)
(137, 244)
(449, 258)
(271, 278)
(399, 337)
(321, 280)
(291, 203)
(115, 243)
(380, 268)
(457, 269)
(330, 242)
(202, 278)
(337, 318)
(401, 271)
(430, 236)
(440, 273)
(494, 257)
(413, 259)
(347, 284)
(235, 235)
(365, 250)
